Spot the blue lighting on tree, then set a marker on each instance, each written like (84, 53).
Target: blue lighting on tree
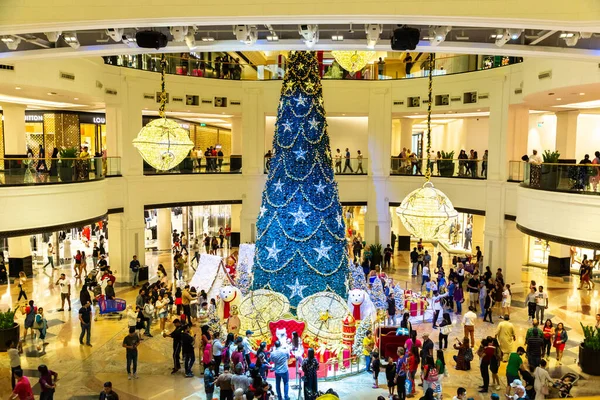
(301, 247)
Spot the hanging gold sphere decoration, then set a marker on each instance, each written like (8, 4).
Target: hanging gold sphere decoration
(427, 213)
(163, 143)
(353, 61)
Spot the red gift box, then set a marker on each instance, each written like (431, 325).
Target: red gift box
(346, 356)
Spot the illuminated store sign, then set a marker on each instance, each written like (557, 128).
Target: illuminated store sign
(34, 118)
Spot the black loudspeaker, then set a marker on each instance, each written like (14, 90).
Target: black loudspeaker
(404, 243)
(558, 266)
(405, 38)
(16, 265)
(151, 39)
(235, 239)
(235, 163)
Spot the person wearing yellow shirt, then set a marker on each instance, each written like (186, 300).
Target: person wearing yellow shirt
(368, 345)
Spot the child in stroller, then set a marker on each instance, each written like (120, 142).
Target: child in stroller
(564, 385)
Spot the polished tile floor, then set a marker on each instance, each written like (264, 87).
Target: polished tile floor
(82, 370)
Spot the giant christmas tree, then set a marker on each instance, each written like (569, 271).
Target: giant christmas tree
(300, 247)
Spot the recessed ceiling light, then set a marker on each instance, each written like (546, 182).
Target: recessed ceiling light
(450, 112)
(582, 94)
(17, 88)
(344, 115)
(145, 108)
(558, 99)
(76, 98)
(479, 109)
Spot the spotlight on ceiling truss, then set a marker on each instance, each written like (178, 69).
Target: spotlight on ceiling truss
(437, 34)
(70, 38)
(310, 34)
(246, 33)
(373, 31)
(115, 34)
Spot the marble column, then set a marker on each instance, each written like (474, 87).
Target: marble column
(19, 250)
(163, 229)
(566, 133)
(126, 239)
(377, 218)
(406, 127)
(14, 129)
(514, 249)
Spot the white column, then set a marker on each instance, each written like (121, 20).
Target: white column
(406, 127)
(518, 131)
(516, 244)
(19, 247)
(380, 130)
(236, 135)
(494, 240)
(126, 239)
(566, 133)
(253, 128)
(377, 218)
(123, 123)
(14, 128)
(163, 229)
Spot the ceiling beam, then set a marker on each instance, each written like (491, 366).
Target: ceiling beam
(543, 37)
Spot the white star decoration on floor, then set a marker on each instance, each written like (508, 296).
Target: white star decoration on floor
(313, 123)
(286, 126)
(273, 251)
(300, 216)
(301, 101)
(278, 186)
(300, 154)
(322, 251)
(297, 289)
(320, 188)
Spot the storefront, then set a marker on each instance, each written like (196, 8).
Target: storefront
(539, 253)
(64, 129)
(195, 221)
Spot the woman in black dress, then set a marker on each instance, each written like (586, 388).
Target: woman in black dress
(310, 366)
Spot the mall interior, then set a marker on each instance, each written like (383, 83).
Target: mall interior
(510, 83)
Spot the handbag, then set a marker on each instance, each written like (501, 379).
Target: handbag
(545, 390)
(446, 329)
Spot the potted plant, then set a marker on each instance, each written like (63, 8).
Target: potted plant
(589, 350)
(9, 329)
(67, 161)
(376, 251)
(549, 179)
(446, 164)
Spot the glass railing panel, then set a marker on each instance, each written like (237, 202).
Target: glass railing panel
(236, 69)
(346, 166)
(203, 165)
(34, 171)
(516, 171)
(112, 166)
(563, 177)
(451, 168)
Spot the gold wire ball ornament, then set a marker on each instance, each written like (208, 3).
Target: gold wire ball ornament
(427, 213)
(353, 61)
(323, 313)
(163, 143)
(259, 308)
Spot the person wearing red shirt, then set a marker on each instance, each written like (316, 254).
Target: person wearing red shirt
(22, 389)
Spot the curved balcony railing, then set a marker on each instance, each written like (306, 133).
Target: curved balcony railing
(343, 166)
(201, 165)
(47, 171)
(449, 168)
(561, 177)
(194, 65)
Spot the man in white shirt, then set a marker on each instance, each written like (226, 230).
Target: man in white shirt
(50, 253)
(247, 347)
(436, 303)
(535, 158)
(217, 351)
(541, 303)
(338, 161)
(65, 291)
(469, 324)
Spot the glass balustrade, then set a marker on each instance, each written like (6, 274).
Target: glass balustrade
(197, 65)
(451, 168)
(204, 165)
(345, 166)
(41, 171)
(561, 177)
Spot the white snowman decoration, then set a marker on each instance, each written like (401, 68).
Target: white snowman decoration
(360, 304)
(230, 296)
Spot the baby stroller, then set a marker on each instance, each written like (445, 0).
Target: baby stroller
(562, 387)
(108, 307)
